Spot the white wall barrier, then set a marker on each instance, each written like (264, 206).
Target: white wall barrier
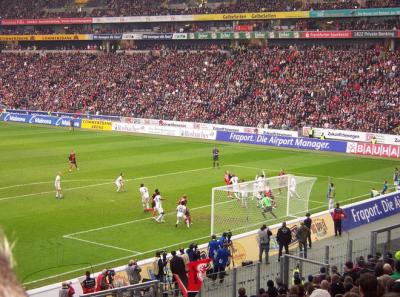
(354, 135)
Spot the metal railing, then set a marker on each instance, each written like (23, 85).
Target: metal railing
(304, 265)
(146, 289)
(387, 242)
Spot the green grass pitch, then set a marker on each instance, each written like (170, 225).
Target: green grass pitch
(107, 226)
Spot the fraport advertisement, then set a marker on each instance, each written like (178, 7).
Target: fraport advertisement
(283, 141)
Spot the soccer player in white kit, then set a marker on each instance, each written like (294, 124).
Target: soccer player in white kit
(119, 182)
(57, 185)
(244, 195)
(158, 208)
(144, 193)
(181, 213)
(235, 186)
(259, 185)
(293, 187)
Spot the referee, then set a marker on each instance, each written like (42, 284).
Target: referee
(215, 153)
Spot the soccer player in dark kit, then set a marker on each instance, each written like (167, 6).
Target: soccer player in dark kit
(215, 153)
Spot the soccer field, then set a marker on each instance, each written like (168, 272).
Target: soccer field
(95, 226)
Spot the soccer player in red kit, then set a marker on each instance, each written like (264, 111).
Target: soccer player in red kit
(72, 161)
(227, 180)
(183, 201)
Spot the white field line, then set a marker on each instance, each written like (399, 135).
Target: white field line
(139, 220)
(143, 253)
(107, 183)
(103, 245)
(50, 182)
(115, 260)
(302, 173)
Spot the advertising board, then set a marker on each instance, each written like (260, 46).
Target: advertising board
(96, 125)
(370, 211)
(376, 150)
(354, 135)
(282, 141)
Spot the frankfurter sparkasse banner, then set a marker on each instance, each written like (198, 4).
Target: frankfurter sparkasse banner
(282, 141)
(367, 212)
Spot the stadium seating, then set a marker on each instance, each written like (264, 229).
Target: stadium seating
(352, 88)
(45, 8)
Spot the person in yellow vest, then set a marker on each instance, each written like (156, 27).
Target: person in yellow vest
(322, 137)
(373, 140)
(311, 132)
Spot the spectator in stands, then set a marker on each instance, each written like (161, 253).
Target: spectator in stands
(348, 283)
(385, 281)
(178, 268)
(336, 286)
(272, 291)
(9, 285)
(159, 264)
(263, 240)
(284, 238)
(242, 292)
(102, 282)
(387, 269)
(308, 223)
(302, 235)
(334, 270)
(396, 274)
(368, 285)
(88, 284)
(350, 271)
(66, 290)
(320, 293)
(324, 285)
(184, 256)
(133, 272)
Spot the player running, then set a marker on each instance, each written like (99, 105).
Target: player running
(72, 161)
(120, 183)
(181, 213)
(144, 193)
(57, 186)
(215, 153)
(158, 207)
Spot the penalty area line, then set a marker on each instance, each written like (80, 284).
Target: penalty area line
(103, 184)
(114, 260)
(308, 174)
(102, 244)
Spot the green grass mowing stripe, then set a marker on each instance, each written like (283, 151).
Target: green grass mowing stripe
(38, 224)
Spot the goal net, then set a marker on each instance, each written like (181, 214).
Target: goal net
(243, 207)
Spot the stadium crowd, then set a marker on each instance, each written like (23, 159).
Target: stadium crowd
(46, 8)
(348, 88)
(300, 25)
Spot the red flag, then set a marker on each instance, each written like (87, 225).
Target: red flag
(196, 274)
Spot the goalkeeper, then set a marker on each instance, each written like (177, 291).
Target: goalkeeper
(266, 204)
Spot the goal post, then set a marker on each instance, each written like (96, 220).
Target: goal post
(239, 207)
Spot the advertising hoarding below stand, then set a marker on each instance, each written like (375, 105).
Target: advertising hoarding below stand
(283, 141)
(375, 150)
(370, 211)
